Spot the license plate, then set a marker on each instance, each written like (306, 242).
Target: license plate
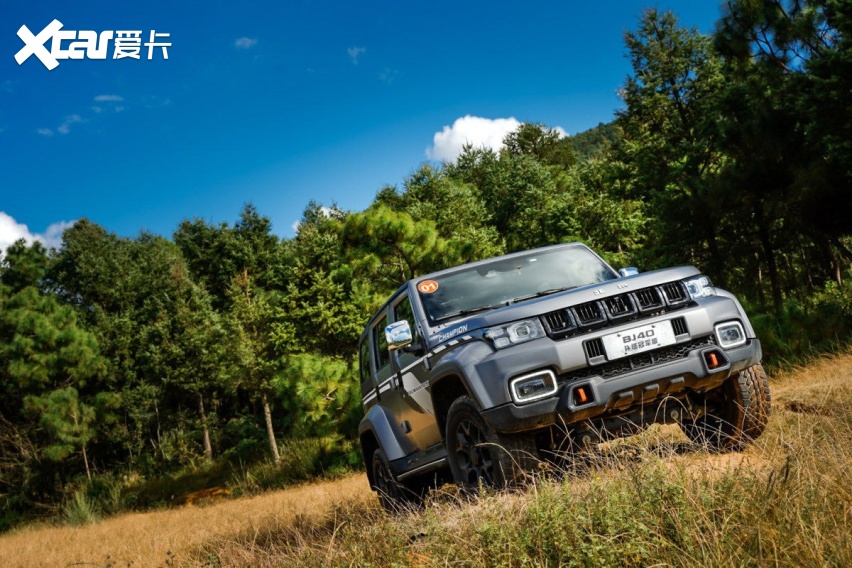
(638, 340)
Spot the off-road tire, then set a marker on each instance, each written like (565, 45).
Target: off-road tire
(478, 455)
(393, 495)
(740, 412)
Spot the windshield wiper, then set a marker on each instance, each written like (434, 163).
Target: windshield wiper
(465, 312)
(538, 295)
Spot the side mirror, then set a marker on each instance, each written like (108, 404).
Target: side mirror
(628, 271)
(398, 335)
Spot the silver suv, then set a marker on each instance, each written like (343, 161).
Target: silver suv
(486, 368)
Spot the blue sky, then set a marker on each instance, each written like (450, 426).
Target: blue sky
(278, 103)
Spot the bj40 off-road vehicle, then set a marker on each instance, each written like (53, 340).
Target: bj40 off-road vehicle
(488, 367)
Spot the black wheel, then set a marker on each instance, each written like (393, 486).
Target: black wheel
(392, 495)
(740, 412)
(479, 455)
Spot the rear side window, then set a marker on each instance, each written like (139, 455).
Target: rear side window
(364, 360)
(380, 340)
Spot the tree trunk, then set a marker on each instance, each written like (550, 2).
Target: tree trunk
(761, 295)
(270, 433)
(159, 445)
(716, 257)
(208, 448)
(769, 254)
(86, 462)
(85, 457)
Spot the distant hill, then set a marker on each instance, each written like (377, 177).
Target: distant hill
(594, 141)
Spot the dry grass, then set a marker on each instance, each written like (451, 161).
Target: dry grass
(162, 538)
(649, 500)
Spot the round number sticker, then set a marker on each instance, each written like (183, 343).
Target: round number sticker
(427, 286)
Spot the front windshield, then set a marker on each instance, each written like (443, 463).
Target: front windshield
(505, 281)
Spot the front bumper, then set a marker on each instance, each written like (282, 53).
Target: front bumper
(623, 393)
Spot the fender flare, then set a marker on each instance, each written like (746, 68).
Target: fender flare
(379, 424)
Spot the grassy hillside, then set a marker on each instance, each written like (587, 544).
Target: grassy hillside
(649, 500)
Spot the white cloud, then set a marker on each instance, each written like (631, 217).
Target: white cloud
(474, 130)
(245, 42)
(354, 52)
(388, 75)
(109, 98)
(45, 131)
(65, 127)
(12, 231)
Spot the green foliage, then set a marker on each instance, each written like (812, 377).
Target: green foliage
(391, 247)
(819, 323)
(67, 421)
(320, 396)
(41, 344)
(80, 509)
(301, 459)
(325, 302)
(456, 208)
(23, 265)
(668, 127)
(546, 145)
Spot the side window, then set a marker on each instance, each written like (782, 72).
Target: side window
(402, 311)
(364, 360)
(381, 343)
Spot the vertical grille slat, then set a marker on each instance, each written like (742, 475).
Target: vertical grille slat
(594, 348)
(559, 323)
(649, 299)
(679, 326)
(620, 306)
(590, 315)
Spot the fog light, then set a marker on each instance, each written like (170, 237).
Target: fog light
(730, 334)
(533, 387)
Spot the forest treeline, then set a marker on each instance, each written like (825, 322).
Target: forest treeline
(127, 360)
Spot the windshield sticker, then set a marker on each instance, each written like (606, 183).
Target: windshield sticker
(427, 287)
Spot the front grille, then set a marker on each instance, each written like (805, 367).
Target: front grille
(641, 361)
(643, 303)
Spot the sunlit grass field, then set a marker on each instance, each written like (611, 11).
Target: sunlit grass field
(651, 500)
